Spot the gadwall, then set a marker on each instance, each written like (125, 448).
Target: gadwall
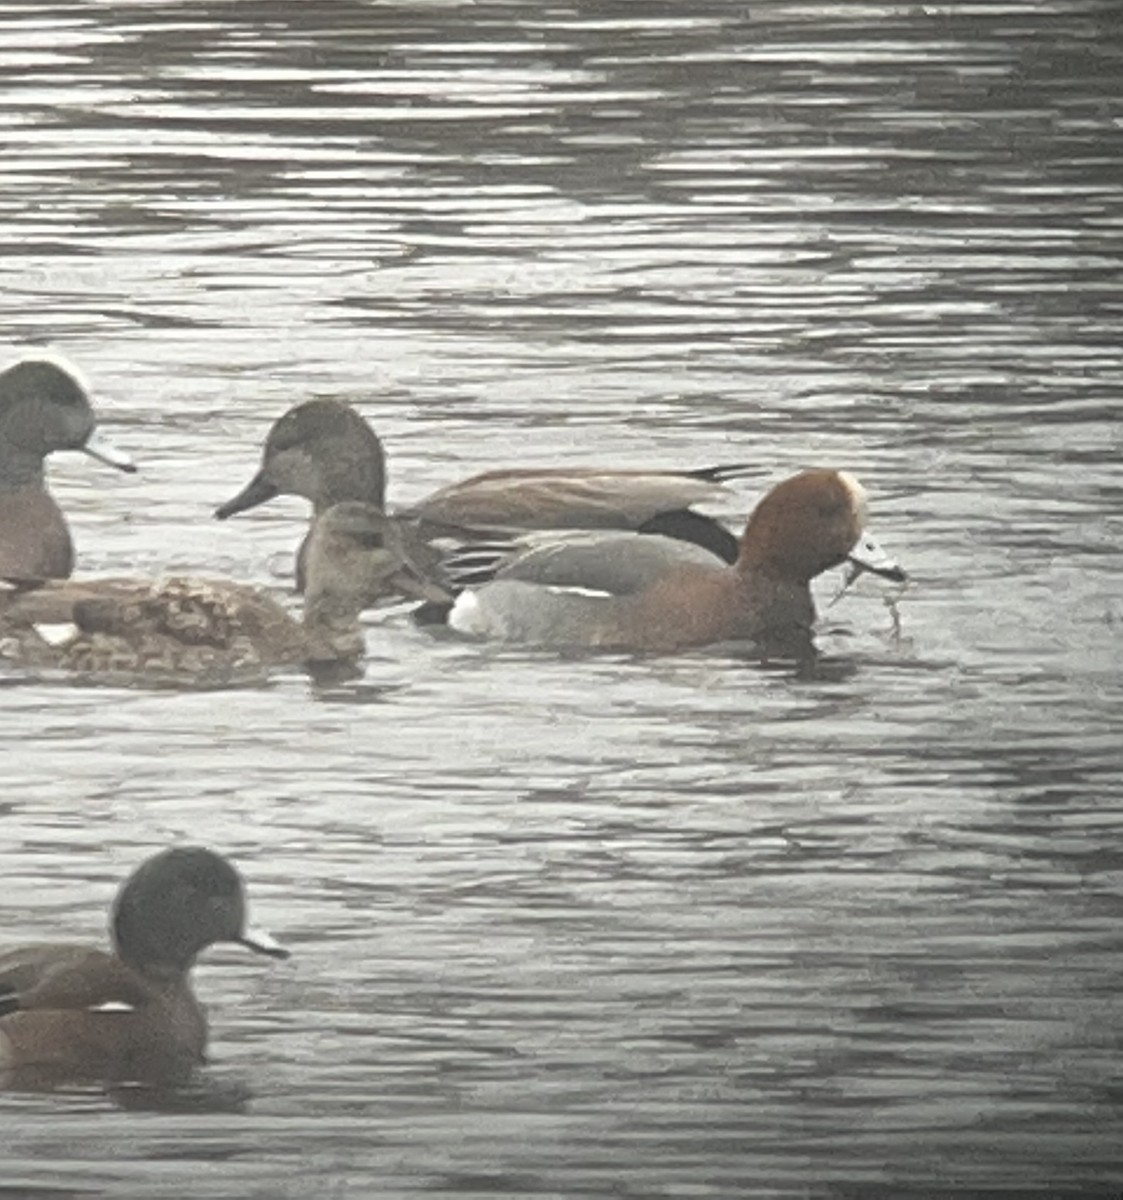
(325, 451)
(207, 631)
(43, 408)
(623, 592)
(74, 1011)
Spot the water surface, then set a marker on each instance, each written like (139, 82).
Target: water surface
(638, 928)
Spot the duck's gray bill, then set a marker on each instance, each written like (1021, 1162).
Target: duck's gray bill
(256, 492)
(867, 555)
(100, 447)
(263, 943)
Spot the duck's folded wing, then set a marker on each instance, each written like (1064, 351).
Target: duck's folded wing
(616, 564)
(564, 499)
(66, 978)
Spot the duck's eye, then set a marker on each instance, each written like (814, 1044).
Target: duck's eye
(370, 540)
(70, 399)
(286, 433)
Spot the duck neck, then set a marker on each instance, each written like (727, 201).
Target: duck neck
(166, 976)
(772, 598)
(754, 567)
(19, 467)
(331, 624)
(164, 973)
(349, 478)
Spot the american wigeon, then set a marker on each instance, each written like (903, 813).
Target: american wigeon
(205, 631)
(622, 592)
(43, 408)
(325, 451)
(74, 1011)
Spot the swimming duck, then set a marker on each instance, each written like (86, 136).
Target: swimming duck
(325, 451)
(74, 1011)
(43, 408)
(212, 631)
(651, 593)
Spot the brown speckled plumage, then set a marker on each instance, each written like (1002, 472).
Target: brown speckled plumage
(209, 631)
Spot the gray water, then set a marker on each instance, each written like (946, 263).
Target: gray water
(656, 927)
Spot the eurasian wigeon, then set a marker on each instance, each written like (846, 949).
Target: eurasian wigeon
(623, 592)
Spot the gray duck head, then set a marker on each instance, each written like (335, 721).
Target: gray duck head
(322, 450)
(44, 408)
(178, 903)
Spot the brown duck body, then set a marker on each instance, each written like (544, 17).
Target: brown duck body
(129, 1013)
(641, 593)
(35, 540)
(43, 408)
(85, 1012)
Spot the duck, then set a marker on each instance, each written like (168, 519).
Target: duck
(127, 1014)
(651, 593)
(44, 407)
(325, 451)
(212, 632)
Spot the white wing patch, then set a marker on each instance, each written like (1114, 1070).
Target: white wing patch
(57, 634)
(559, 590)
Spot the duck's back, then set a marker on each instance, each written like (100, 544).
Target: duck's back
(561, 499)
(25, 968)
